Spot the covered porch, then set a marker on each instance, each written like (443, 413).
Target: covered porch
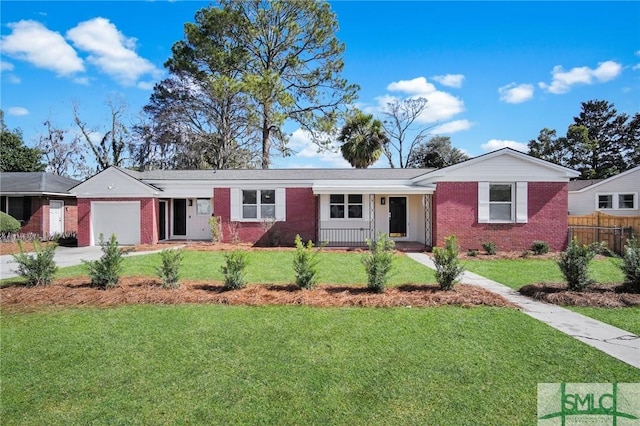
(351, 215)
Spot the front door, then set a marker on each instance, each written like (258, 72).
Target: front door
(397, 216)
(56, 217)
(180, 217)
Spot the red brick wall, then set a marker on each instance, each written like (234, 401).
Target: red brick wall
(148, 219)
(456, 213)
(35, 224)
(301, 219)
(70, 215)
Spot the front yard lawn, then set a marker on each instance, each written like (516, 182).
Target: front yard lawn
(516, 273)
(272, 267)
(214, 364)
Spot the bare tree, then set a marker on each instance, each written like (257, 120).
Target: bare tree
(110, 150)
(403, 132)
(63, 158)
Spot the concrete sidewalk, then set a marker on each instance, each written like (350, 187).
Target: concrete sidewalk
(611, 340)
(64, 256)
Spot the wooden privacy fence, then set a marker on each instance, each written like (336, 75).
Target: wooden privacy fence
(599, 227)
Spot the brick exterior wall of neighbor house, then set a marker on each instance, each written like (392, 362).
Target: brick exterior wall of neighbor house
(148, 219)
(35, 223)
(301, 219)
(456, 213)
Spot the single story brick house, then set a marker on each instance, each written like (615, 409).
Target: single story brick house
(40, 201)
(504, 196)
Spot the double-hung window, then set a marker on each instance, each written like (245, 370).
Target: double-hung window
(343, 206)
(258, 204)
(502, 202)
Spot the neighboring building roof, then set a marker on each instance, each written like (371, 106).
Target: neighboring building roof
(36, 183)
(279, 174)
(599, 182)
(577, 185)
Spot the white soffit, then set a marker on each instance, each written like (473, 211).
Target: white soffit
(371, 189)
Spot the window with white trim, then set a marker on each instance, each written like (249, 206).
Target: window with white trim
(258, 203)
(502, 202)
(617, 201)
(345, 206)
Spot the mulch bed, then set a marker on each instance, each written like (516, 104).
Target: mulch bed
(141, 290)
(598, 295)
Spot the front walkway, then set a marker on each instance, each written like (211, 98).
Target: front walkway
(611, 340)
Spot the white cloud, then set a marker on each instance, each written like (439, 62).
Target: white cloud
(516, 93)
(495, 144)
(563, 80)
(32, 42)
(441, 105)
(111, 51)
(13, 79)
(6, 66)
(307, 154)
(450, 80)
(17, 111)
(452, 127)
(146, 85)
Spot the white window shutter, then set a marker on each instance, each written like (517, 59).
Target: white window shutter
(235, 204)
(521, 202)
(281, 204)
(483, 202)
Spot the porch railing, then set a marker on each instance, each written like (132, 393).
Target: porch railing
(345, 237)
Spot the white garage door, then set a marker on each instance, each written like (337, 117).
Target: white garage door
(116, 217)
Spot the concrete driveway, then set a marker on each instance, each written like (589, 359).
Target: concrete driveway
(64, 256)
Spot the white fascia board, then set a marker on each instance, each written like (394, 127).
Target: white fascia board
(37, 194)
(372, 189)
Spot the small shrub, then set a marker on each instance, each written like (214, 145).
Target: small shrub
(304, 264)
(169, 270)
(540, 247)
(378, 262)
(525, 254)
(490, 248)
(448, 269)
(8, 224)
(105, 272)
(215, 226)
(234, 270)
(630, 265)
(574, 265)
(234, 231)
(37, 268)
(472, 252)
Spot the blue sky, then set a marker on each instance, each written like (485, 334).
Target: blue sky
(495, 73)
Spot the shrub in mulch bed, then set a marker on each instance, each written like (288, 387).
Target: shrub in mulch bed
(137, 290)
(597, 295)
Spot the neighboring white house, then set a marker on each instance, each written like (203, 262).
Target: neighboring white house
(616, 196)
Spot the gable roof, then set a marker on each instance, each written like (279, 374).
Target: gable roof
(599, 182)
(564, 171)
(35, 183)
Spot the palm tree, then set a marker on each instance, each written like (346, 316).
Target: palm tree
(362, 139)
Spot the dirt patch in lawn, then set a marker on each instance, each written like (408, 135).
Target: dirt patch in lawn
(608, 296)
(140, 290)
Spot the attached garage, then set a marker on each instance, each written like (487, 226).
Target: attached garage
(115, 217)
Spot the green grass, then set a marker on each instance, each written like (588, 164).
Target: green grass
(516, 273)
(625, 318)
(271, 266)
(204, 364)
